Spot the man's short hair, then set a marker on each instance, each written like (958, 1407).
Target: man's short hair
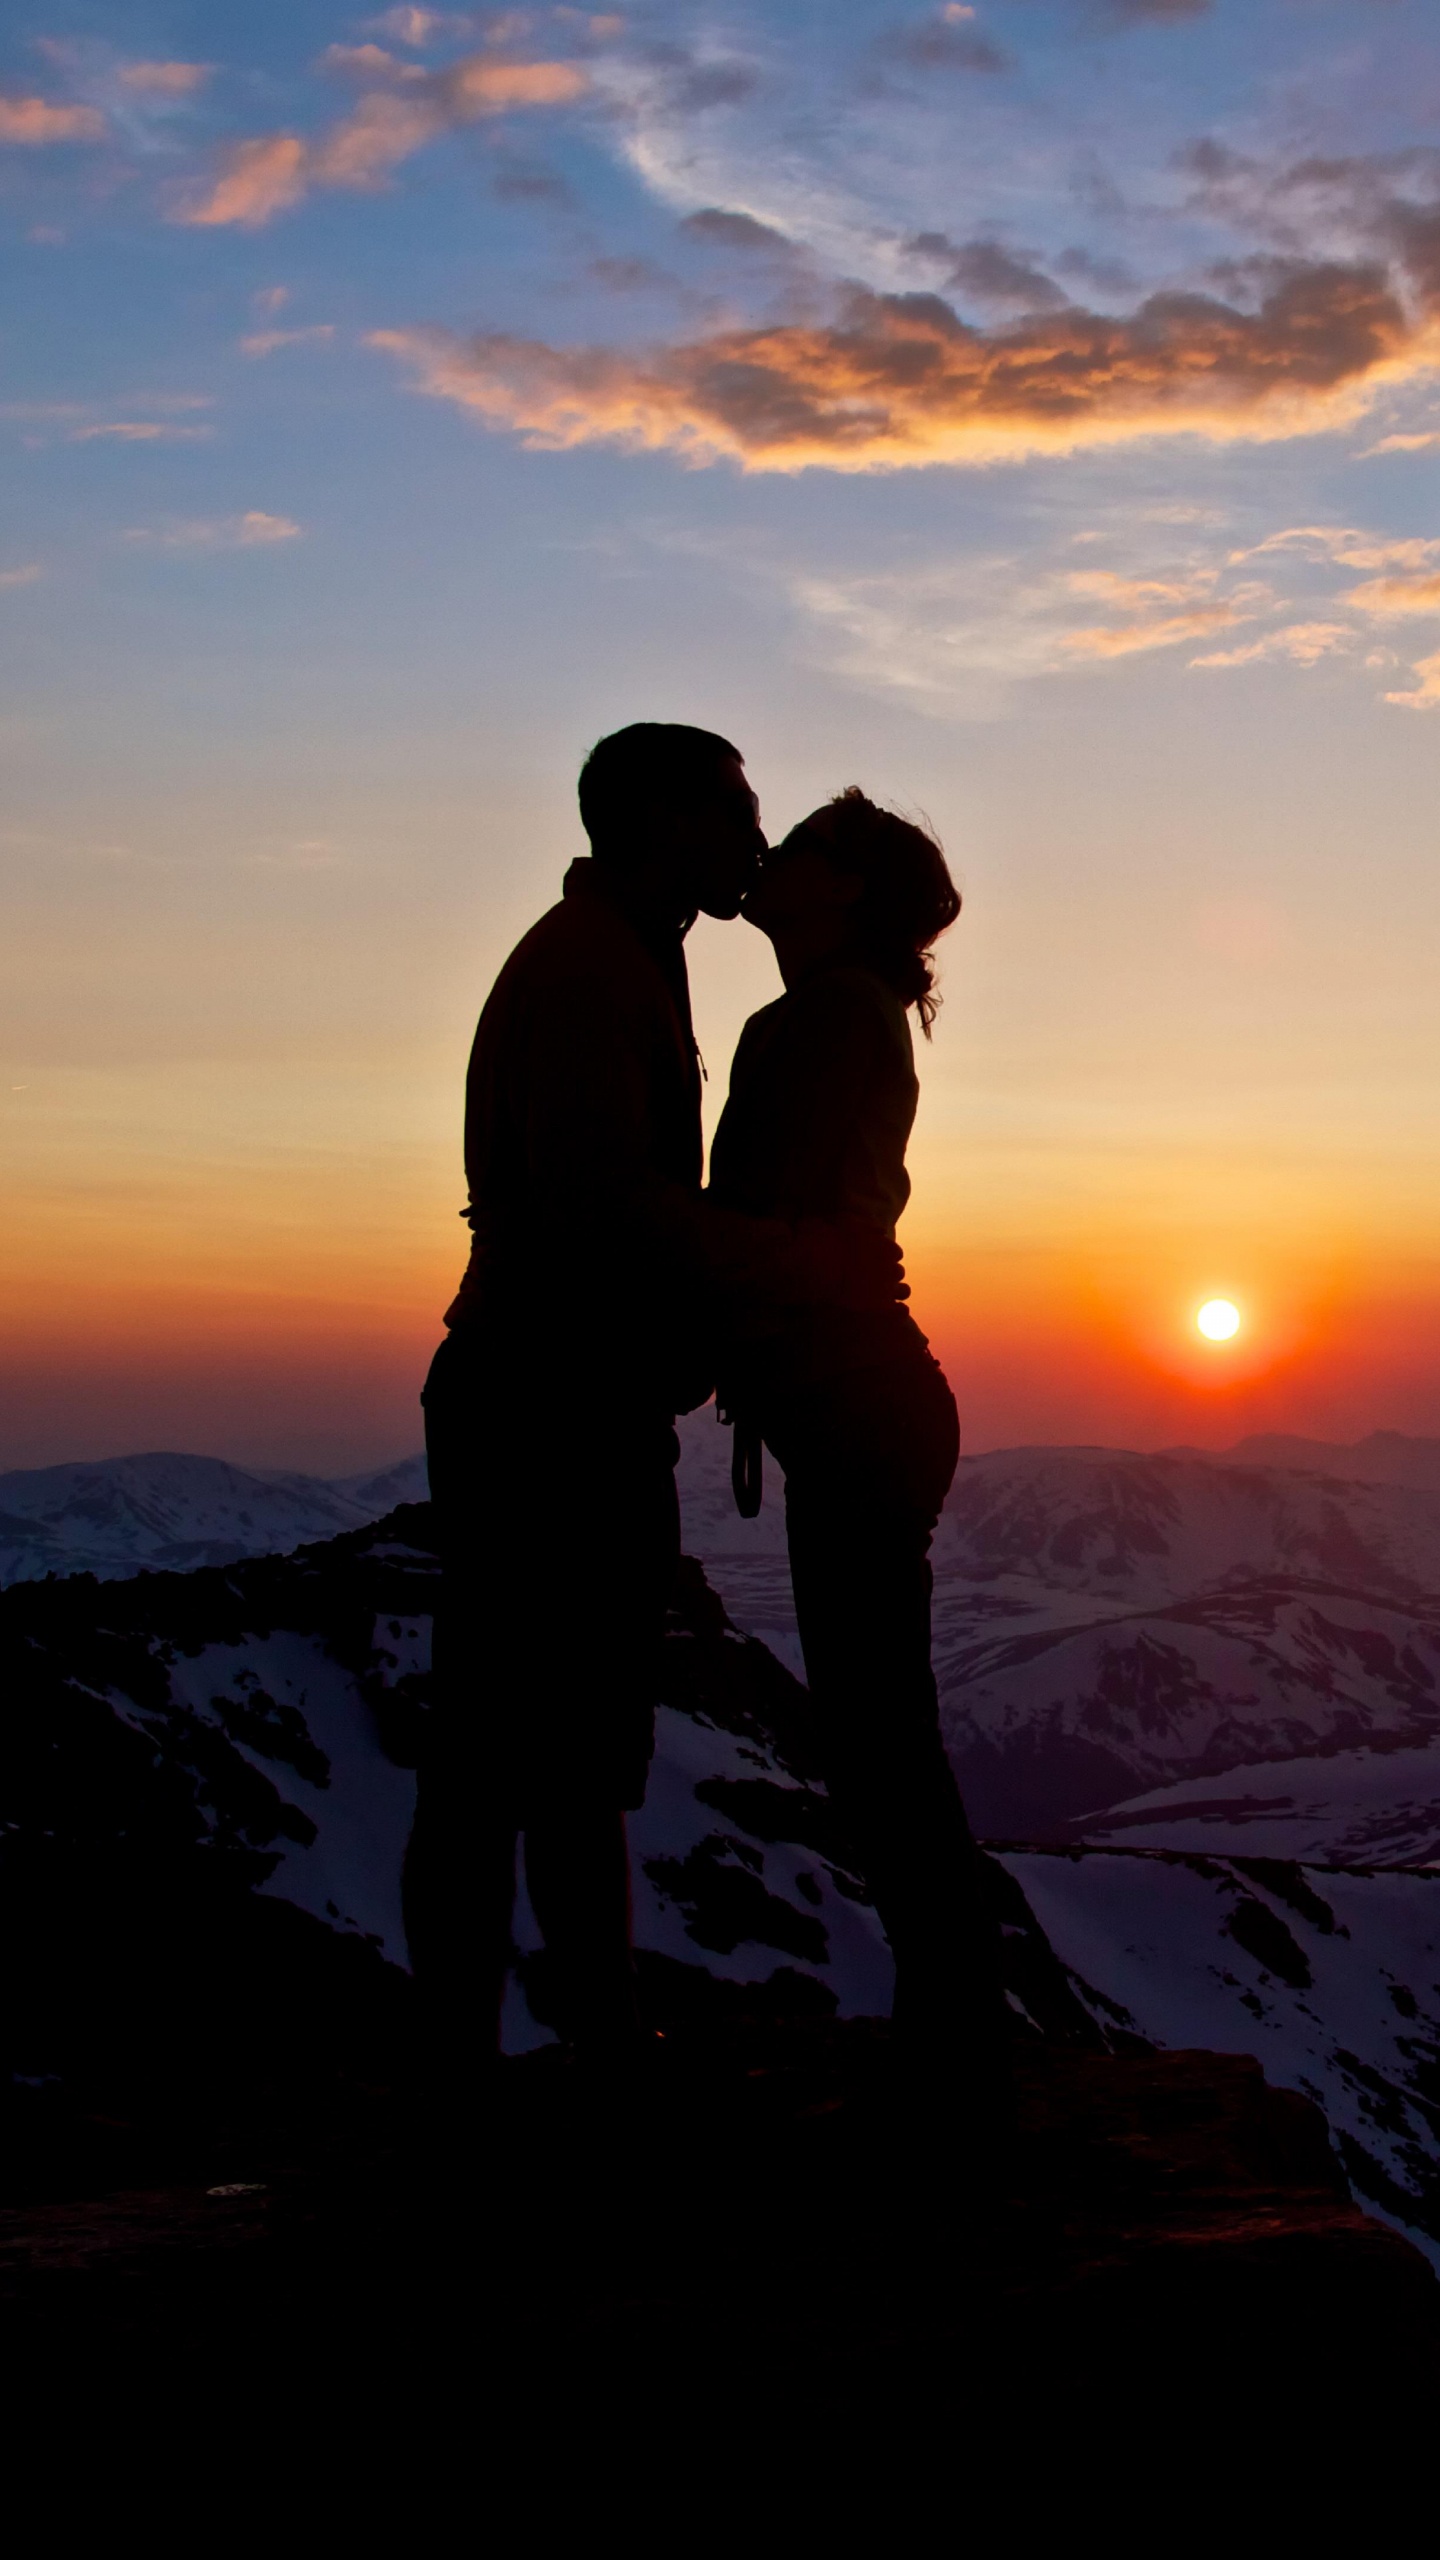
(651, 760)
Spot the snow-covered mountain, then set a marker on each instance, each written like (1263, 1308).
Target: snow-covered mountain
(1107, 1624)
(1198, 1701)
(1330, 1977)
(242, 1737)
(165, 1512)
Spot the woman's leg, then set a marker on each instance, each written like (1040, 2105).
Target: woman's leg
(866, 1471)
(577, 1866)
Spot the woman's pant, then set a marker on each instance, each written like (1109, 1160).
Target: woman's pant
(868, 1460)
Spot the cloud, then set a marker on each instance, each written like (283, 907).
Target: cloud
(259, 179)
(686, 84)
(898, 380)
(365, 62)
(1389, 599)
(165, 79)
(219, 533)
(1136, 13)
(532, 186)
(984, 271)
(1424, 696)
(955, 638)
(1123, 642)
(420, 27)
(1348, 545)
(1303, 644)
(137, 431)
(34, 120)
(266, 342)
(719, 229)
(1111, 275)
(946, 42)
(630, 275)
(269, 174)
(1401, 444)
(1145, 601)
(24, 576)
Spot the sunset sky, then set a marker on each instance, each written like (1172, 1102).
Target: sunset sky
(1030, 412)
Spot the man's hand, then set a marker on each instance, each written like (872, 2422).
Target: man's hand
(845, 1262)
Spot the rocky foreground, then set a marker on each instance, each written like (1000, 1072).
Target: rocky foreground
(758, 2266)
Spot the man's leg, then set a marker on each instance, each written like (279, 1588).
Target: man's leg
(577, 1866)
(604, 1672)
(457, 1892)
(458, 1878)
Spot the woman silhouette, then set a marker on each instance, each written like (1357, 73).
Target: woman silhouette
(851, 1403)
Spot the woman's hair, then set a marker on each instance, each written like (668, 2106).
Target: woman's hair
(907, 897)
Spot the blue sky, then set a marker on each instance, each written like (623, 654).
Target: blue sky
(1028, 412)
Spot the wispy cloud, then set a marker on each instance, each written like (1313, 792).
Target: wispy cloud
(1349, 546)
(245, 532)
(717, 227)
(1135, 13)
(165, 79)
(259, 179)
(948, 40)
(421, 27)
(1423, 443)
(1391, 599)
(271, 173)
(25, 576)
(138, 431)
(149, 417)
(1302, 644)
(1155, 613)
(266, 342)
(1424, 694)
(953, 640)
(36, 121)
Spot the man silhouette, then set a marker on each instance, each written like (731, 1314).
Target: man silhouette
(577, 1335)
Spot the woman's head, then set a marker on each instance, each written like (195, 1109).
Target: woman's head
(855, 880)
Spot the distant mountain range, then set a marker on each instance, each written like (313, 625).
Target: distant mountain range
(1110, 1627)
(1384, 1457)
(167, 1513)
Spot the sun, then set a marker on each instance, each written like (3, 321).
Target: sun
(1218, 1320)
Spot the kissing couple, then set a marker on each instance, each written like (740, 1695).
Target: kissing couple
(608, 1289)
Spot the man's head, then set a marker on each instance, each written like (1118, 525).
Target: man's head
(669, 809)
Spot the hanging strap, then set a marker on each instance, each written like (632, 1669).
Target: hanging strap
(747, 1467)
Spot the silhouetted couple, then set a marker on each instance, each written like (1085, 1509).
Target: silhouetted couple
(608, 1291)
